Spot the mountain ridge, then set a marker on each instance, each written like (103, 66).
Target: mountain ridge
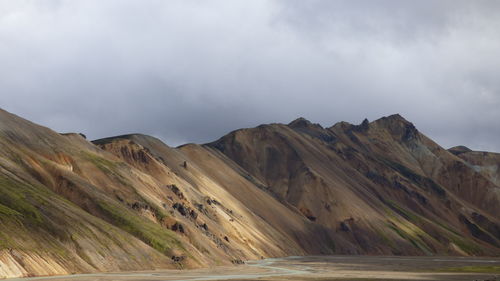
(380, 187)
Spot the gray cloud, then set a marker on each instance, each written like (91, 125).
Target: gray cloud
(190, 71)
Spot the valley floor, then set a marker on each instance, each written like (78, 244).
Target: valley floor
(361, 268)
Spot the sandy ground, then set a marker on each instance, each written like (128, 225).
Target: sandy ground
(362, 268)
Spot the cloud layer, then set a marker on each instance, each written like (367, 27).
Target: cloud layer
(190, 70)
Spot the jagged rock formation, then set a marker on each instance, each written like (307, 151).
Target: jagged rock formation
(131, 202)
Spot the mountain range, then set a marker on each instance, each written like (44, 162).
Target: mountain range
(70, 205)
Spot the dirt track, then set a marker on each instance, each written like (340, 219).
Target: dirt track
(312, 268)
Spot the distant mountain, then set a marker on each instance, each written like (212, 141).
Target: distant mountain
(131, 202)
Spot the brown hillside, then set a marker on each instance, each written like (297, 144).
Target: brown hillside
(131, 202)
(383, 186)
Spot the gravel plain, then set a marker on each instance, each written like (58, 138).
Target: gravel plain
(360, 268)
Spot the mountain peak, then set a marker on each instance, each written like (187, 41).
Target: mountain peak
(364, 126)
(459, 149)
(394, 118)
(300, 123)
(398, 126)
(132, 137)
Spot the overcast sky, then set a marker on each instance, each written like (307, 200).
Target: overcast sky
(191, 71)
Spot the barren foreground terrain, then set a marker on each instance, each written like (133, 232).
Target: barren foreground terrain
(321, 268)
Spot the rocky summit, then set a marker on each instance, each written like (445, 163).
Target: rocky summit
(131, 202)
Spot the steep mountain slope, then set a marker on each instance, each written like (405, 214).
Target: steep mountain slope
(132, 202)
(383, 185)
(68, 206)
(208, 182)
(129, 203)
(45, 233)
